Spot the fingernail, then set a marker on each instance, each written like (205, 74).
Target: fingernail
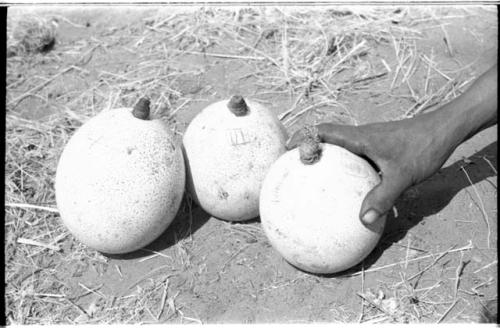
(370, 216)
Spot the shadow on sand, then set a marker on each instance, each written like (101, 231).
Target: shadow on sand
(432, 196)
(181, 227)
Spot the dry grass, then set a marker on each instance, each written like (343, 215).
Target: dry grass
(313, 62)
(31, 34)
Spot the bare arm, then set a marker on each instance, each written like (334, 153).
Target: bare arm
(476, 109)
(409, 151)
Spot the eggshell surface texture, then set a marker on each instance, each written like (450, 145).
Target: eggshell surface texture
(119, 181)
(310, 213)
(228, 156)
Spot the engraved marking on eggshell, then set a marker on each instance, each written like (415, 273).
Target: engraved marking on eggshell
(239, 137)
(222, 194)
(353, 168)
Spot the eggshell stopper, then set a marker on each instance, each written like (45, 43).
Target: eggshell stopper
(237, 106)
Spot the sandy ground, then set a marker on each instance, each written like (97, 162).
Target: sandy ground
(206, 270)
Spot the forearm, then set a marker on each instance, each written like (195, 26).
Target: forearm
(409, 151)
(474, 110)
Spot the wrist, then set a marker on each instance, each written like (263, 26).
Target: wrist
(474, 110)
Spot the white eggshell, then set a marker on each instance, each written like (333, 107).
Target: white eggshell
(228, 157)
(310, 213)
(119, 181)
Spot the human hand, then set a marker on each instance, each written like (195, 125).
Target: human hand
(405, 152)
(409, 151)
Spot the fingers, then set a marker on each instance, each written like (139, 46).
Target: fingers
(351, 138)
(348, 137)
(295, 140)
(299, 135)
(362, 140)
(381, 198)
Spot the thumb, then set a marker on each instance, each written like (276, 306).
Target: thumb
(381, 198)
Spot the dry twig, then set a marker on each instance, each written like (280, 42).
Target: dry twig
(483, 210)
(464, 248)
(37, 243)
(35, 207)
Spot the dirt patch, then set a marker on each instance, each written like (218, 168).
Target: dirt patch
(382, 63)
